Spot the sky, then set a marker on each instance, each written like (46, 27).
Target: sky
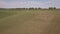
(29, 3)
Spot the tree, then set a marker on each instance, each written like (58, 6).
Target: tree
(52, 7)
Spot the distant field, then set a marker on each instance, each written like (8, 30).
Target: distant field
(29, 21)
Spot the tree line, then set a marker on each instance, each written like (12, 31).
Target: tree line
(28, 8)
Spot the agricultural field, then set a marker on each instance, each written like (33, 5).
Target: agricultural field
(30, 21)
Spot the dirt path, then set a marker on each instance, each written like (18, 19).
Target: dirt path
(32, 25)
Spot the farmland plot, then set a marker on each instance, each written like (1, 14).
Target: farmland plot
(29, 22)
